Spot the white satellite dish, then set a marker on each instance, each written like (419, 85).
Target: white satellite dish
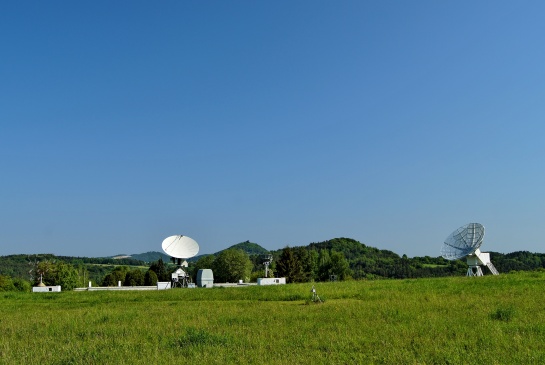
(180, 247)
(465, 242)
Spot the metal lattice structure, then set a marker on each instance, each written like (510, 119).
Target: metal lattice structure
(465, 242)
(266, 259)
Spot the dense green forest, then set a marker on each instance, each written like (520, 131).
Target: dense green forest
(335, 259)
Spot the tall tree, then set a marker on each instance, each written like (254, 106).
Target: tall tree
(57, 273)
(289, 266)
(339, 265)
(232, 265)
(205, 262)
(66, 276)
(160, 270)
(134, 278)
(324, 265)
(150, 278)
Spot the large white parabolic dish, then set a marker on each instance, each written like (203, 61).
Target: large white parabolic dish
(180, 247)
(463, 241)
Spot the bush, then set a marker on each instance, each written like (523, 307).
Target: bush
(22, 285)
(134, 278)
(6, 284)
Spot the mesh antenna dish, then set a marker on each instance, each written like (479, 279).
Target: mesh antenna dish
(466, 242)
(463, 241)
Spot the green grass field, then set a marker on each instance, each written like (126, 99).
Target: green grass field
(487, 320)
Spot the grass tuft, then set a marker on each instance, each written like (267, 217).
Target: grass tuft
(504, 314)
(195, 337)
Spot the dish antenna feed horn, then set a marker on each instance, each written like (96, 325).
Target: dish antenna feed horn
(465, 242)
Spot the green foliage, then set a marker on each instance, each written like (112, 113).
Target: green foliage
(232, 265)
(57, 273)
(88, 269)
(118, 274)
(65, 275)
(22, 285)
(324, 265)
(150, 256)
(339, 266)
(160, 269)
(150, 278)
(134, 278)
(204, 262)
(6, 284)
(289, 266)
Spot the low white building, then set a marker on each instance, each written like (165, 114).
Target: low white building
(271, 281)
(46, 289)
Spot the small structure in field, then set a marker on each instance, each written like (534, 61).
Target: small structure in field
(46, 289)
(205, 278)
(271, 281)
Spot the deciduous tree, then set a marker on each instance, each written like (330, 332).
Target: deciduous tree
(134, 278)
(232, 265)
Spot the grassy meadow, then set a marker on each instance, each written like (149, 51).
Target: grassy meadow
(487, 320)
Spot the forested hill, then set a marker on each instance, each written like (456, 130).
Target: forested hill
(370, 262)
(352, 249)
(20, 265)
(249, 247)
(151, 256)
(362, 261)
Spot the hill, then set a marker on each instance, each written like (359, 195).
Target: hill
(364, 262)
(151, 256)
(249, 247)
(92, 268)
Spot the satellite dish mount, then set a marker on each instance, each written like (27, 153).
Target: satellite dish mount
(180, 248)
(465, 242)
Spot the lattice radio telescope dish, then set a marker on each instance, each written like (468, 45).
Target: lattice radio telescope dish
(463, 241)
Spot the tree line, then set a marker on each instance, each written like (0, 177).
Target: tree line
(336, 259)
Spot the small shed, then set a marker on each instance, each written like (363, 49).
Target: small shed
(205, 278)
(46, 289)
(271, 281)
(163, 285)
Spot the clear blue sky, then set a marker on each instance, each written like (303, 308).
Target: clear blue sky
(279, 122)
